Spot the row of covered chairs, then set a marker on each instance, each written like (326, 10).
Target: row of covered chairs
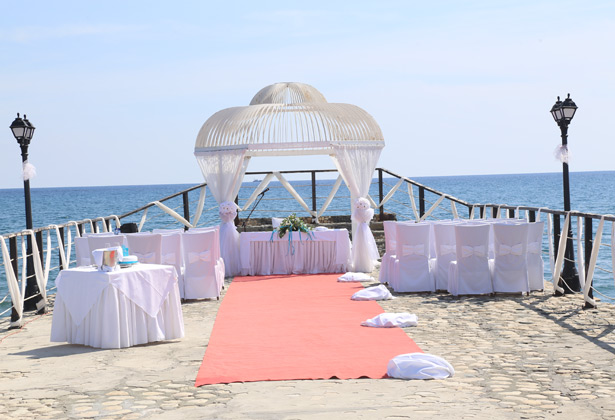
(195, 254)
(464, 257)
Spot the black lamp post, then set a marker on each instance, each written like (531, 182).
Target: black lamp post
(23, 131)
(562, 114)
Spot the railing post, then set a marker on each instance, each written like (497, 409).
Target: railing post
(589, 232)
(482, 210)
(15, 264)
(421, 201)
(237, 217)
(380, 194)
(556, 232)
(470, 211)
(314, 191)
(186, 208)
(61, 245)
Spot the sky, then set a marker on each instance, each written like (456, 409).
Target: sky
(118, 90)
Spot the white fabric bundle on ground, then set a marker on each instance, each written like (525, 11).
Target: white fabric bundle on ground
(350, 276)
(379, 292)
(389, 320)
(419, 366)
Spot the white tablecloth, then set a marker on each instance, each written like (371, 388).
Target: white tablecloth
(327, 252)
(122, 308)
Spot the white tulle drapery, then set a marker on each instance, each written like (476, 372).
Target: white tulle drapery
(356, 163)
(223, 172)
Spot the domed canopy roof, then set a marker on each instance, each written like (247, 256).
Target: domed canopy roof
(288, 118)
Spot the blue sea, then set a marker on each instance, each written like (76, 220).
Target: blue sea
(591, 192)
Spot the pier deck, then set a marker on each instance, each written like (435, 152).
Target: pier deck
(515, 357)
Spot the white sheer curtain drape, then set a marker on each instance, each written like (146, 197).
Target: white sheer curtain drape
(224, 171)
(356, 163)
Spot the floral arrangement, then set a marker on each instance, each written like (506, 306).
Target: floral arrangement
(292, 224)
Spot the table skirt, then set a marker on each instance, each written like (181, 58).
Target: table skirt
(307, 257)
(115, 321)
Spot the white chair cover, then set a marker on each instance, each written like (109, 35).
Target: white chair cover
(470, 273)
(99, 241)
(276, 221)
(419, 366)
(203, 273)
(171, 249)
(535, 263)
(388, 259)
(510, 263)
(412, 269)
(379, 292)
(390, 320)
(147, 247)
(82, 252)
(444, 238)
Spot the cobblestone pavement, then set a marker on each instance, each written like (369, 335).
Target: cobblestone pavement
(531, 357)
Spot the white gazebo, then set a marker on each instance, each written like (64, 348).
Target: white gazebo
(290, 119)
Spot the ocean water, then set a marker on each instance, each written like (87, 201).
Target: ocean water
(591, 192)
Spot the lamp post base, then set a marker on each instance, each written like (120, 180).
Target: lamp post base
(569, 280)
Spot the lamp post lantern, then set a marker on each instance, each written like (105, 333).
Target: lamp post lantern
(23, 131)
(563, 112)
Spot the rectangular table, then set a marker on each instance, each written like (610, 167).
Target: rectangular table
(262, 254)
(117, 309)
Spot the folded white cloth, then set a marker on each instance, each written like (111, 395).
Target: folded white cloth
(388, 320)
(350, 276)
(419, 366)
(379, 292)
(320, 228)
(97, 254)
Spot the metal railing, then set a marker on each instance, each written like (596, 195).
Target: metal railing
(424, 203)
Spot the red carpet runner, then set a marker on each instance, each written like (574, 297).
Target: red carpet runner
(273, 328)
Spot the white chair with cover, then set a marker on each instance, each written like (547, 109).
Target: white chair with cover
(171, 248)
(388, 259)
(412, 267)
(276, 222)
(444, 238)
(204, 270)
(470, 274)
(147, 247)
(535, 263)
(82, 252)
(98, 241)
(510, 261)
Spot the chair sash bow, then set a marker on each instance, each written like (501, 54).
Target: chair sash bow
(199, 256)
(516, 249)
(413, 249)
(468, 251)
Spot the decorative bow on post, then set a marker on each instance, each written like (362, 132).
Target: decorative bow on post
(227, 211)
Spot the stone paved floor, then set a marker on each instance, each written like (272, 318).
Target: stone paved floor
(533, 357)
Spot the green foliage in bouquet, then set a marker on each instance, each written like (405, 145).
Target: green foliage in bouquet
(292, 223)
